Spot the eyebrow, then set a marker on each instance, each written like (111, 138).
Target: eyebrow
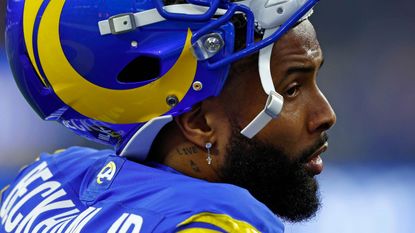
(302, 69)
(299, 69)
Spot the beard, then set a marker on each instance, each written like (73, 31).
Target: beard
(282, 184)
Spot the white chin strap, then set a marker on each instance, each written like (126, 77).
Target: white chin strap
(269, 15)
(275, 101)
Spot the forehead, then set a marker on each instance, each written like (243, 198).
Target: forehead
(300, 41)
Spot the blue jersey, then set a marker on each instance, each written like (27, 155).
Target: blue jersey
(84, 190)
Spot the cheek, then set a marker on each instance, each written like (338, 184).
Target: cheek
(245, 99)
(248, 108)
(288, 131)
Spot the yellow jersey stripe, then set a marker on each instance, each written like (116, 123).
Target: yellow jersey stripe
(223, 221)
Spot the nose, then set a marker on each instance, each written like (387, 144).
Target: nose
(322, 116)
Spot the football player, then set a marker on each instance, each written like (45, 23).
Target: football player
(211, 106)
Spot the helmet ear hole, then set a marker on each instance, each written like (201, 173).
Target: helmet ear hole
(141, 69)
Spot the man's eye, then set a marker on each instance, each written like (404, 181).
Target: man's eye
(293, 90)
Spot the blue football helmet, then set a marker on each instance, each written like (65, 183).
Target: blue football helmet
(116, 72)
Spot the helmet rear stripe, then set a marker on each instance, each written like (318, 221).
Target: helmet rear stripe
(30, 13)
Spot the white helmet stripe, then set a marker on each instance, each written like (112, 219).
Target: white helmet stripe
(143, 18)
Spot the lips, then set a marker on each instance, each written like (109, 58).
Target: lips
(314, 163)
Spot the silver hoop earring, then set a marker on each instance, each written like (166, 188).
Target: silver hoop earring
(208, 145)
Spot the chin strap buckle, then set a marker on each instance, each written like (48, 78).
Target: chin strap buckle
(272, 109)
(274, 104)
(122, 23)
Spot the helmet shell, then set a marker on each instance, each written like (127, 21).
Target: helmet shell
(70, 73)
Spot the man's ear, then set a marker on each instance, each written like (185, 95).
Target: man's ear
(203, 123)
(194, 126)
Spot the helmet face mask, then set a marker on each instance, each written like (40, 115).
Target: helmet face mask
(117, 72)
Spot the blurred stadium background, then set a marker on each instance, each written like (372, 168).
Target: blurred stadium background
(368, 182)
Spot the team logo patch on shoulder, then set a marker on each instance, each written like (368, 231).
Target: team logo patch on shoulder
(101, 177)
(107, 172)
